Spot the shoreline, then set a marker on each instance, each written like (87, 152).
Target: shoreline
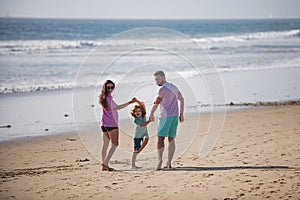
(229, 107)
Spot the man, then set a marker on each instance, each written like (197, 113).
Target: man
(167, 100)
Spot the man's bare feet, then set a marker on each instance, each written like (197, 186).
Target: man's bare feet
(168, 166)
(135, 167)
(159, 165)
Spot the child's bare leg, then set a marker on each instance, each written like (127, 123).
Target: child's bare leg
(144, 143)
(134, 154)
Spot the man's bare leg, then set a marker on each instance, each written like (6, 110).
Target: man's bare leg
(160, 151)
(171, 150)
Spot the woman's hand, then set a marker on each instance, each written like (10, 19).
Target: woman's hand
(133, 100)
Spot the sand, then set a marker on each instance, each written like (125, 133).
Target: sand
(256, 157)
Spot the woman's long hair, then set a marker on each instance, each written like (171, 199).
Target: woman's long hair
(104, 93)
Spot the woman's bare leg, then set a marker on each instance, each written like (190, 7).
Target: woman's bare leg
(105, 145)
(114, 138)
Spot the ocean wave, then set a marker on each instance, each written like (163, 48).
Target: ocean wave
(250, 36)
(17, 47)
(9, 89)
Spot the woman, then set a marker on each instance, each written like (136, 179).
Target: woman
(109, 122)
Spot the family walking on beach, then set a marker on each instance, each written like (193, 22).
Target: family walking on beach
(167, 100)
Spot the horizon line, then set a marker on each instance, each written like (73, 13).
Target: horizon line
(91, 18)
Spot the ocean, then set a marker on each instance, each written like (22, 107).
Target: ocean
(45, 54)
(40, 60)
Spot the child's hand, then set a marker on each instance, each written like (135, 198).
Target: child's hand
(133, 100)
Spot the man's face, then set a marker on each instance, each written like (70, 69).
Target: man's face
(159, 80)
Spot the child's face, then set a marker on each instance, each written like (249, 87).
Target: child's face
(138, 112)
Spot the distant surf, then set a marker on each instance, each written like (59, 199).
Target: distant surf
(45, 54)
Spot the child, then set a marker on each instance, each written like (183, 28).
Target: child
(141, 136)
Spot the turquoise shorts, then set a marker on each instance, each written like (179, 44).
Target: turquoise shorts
(167, 126)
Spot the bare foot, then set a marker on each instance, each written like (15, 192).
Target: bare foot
(159, 165)
(168, 166)
(107, 168)
(135, 167)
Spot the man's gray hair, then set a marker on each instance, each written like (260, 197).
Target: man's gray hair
(159, 72)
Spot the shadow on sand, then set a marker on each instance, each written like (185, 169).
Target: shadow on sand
(230, 168)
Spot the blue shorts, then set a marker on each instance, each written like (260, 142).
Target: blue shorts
(167, 126)
(137, 143)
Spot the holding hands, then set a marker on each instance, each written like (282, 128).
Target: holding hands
(151, 118)
(133, 100)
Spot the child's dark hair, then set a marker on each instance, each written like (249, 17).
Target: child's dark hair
(137, 107)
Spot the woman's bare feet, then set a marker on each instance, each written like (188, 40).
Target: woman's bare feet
(107, 168)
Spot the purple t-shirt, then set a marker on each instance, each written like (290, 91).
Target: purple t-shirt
(110, 116)
(169, 100)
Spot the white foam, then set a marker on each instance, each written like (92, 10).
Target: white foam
(17, 47)
(250, 36)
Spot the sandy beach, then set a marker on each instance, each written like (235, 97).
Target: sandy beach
(256, 157)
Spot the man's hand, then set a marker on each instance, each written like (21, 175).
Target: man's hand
(181, 118)
(151, 118)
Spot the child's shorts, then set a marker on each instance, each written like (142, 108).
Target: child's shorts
(137, 143)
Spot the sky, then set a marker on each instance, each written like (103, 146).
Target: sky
(151, 9)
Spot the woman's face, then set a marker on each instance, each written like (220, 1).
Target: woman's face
(109, 87)
(138, 112)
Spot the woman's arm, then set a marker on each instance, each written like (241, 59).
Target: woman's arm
(119, 107)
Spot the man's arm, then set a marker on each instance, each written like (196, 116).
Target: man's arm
(154, 108)
(181, 100)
